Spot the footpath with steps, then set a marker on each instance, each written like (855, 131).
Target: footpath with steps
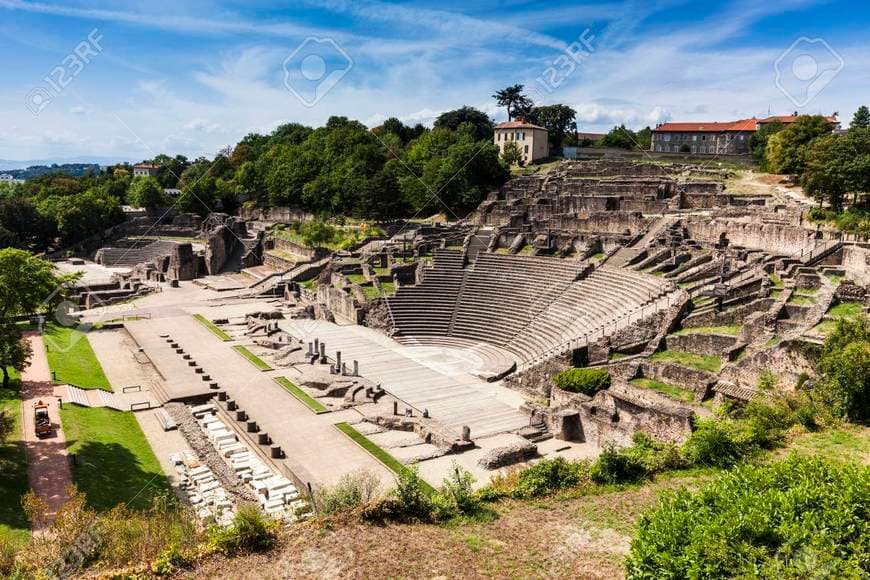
(48, 468)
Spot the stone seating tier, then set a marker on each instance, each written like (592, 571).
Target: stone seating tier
(527, 305)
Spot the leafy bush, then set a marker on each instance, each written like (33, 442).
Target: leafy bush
(412, 495)
(351, 491)
(616, 466)
(655, 456)
(251, 531)
(549, 476)
(458, 492)
(717, 442)
(845, 367)
(586, 381)
(798, 518)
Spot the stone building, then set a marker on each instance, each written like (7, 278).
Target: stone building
(532, 139)
(715, 138)
(145, 169)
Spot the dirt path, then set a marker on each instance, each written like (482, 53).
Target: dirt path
(48, 468)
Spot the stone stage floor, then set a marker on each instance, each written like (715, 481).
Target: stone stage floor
(435, 378)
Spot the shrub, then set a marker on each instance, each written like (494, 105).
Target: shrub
(654, 455)
(617, 466)
(414, 501)
(717, 442)
(798, 518)
(586, 381)
(549, 476)
(351, 491)
(845, 366)
(251, 531)
(458, 492)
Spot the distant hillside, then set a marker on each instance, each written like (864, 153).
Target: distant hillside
(7, 164)
(71, 169)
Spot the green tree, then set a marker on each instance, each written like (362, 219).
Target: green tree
(559, 121)
(81, 216)
(28, 284)
(450, 167)
(620, 137)
(317, 233)
(15, 353)
(21, 218)
(861, 119)
(845, 367)
(758, 141)
(644, 138)
(511, 154)
(146, 192)
(483, 127)
(787, 149)
(836, 165)
(515, 102)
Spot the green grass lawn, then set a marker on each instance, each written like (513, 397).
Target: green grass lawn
(775, 280)
(846, 309)
(702, 362)
(71, 358)
(114, 462)
(310, 285)
(303, 397)
(255, 360)
(388, 460)
(846, 443)
(801, 300)
(834, 278)
(678, 393)
(356, 279)
(702, 301)
(381, 271)
(729, 330)
(212, 327)
(824, 327)
(14, 527)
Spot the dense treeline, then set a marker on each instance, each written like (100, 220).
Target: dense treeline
(834, 168)
(342, 168)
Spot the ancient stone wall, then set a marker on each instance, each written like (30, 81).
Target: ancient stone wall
(182, 263)
(275, 215)
(219, 246)
(708, 344)
(771, 238)
(734, 315)
(678, 375)
(340, 303)
(856, 262)
(787, 361)
(612, 417)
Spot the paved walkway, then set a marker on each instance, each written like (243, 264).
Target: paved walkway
(317, 452)
(48, 468)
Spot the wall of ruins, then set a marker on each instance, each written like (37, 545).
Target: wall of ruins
(771, 238)
(707, 344)
(734, 315)
(341, 304)
(614, 419)
(219, 246)
(304, 253)
(787, 361)
(678, 375)
(182, 263)
(856, 263)
(275, 214)
(624, 223)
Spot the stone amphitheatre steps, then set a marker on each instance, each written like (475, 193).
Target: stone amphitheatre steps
(129, 257)
(526, 305)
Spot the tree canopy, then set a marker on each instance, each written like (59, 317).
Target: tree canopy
(861, 119)
(514, 100)
(787, 149)
(559, 120)
(483, 126)
(146, 192)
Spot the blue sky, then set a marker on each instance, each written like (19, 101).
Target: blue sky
(194, 76)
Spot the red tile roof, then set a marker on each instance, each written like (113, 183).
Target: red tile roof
(741, 125)
(147, 166)
(711, 127)
(518, 124)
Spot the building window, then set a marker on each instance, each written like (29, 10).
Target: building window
(694, 137)
(526, 149)
(667, 136)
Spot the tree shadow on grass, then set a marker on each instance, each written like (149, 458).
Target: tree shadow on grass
(109, 474)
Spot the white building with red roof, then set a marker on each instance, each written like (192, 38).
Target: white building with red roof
(145, 169)
(531, 139)
(715, 138)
